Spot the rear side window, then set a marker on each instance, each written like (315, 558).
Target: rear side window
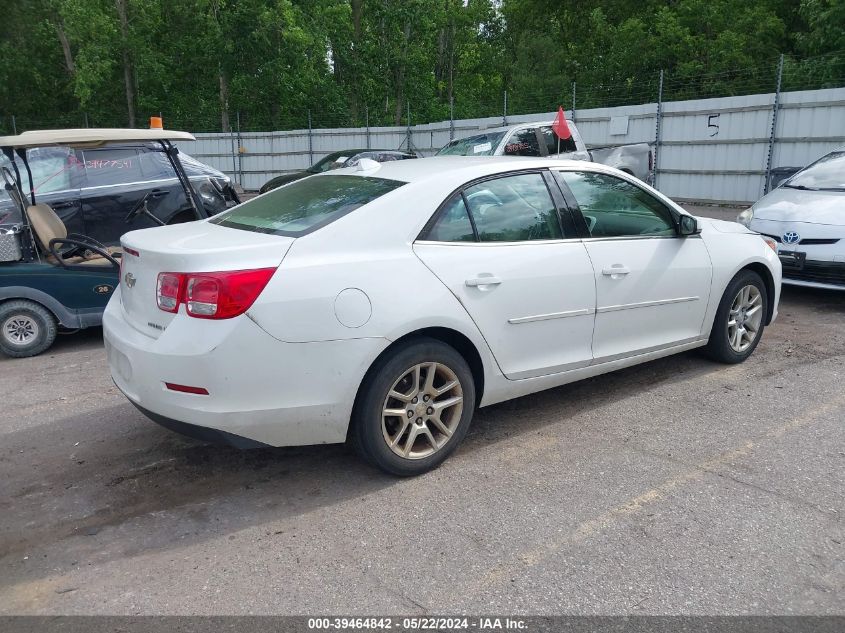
(112, 167)
(453, 223)
(523, 143)
(514, 208)
(306, 205)
(553, 142)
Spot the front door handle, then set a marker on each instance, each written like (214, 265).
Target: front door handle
(616, 269)
(476, 282)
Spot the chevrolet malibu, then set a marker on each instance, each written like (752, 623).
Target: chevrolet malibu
(381, 305)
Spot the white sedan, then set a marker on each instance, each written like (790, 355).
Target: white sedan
(381, 305)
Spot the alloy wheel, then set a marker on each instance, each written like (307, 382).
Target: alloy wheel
(422, 410)
(745, 318)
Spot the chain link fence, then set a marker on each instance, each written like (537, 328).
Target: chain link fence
(790, 72)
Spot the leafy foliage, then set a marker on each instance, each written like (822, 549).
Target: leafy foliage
(270, 64)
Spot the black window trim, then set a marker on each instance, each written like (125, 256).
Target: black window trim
(581, 222)
(565, 220)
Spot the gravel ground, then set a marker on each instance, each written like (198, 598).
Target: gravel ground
(677, 487)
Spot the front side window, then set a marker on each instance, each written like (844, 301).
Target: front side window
(513, 209)
(523, 143)
(305, 205)
(555, 145)
(613, 207)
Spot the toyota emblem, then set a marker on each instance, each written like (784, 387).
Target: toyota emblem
(791, 237)
(129, 278)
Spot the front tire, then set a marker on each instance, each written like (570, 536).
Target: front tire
(740, 319)
(415, 408)
(26, 328)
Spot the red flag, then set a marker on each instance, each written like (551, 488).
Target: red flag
(560, 126)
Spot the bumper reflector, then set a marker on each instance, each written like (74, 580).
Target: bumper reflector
(200, 391)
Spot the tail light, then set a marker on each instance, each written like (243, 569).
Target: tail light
(168, 291)
(220, 295)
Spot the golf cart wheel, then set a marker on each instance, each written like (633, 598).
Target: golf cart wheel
(26, 328)
(414, 409)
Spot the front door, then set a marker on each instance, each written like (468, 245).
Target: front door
(652, 285)
(500, 248)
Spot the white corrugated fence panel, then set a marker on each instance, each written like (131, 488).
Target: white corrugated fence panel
(712, 149)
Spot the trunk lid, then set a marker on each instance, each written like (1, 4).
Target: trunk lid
(186, 248)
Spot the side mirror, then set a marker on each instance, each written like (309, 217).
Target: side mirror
(688, 225)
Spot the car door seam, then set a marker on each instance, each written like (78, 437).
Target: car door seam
(461, 303)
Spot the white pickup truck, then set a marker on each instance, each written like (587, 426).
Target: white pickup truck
(538, 139)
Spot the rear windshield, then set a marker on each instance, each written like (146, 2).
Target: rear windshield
(305, 205)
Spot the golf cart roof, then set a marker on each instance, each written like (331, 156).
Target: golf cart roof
(90, 137)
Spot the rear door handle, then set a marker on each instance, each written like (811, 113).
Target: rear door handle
(616, 269)
(158, 193)
(483, 281)
(63, 205)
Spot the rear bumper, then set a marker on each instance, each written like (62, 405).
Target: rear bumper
(260, 390)
(203, 433)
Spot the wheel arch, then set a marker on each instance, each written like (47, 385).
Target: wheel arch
(455, 339)
(766, 275)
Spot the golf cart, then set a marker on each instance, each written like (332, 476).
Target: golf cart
(50, 279)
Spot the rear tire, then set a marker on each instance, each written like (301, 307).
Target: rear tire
(26, 328)
(740, 319)
(414, 409)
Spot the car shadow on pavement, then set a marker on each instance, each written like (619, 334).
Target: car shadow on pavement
(129, 475)
(816, 298)
(109, 483)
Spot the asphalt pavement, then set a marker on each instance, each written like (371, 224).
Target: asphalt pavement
(677, 487)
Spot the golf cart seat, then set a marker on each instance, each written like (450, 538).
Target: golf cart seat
(50, 230)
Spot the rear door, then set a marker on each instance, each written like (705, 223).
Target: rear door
(652, 285)
(517, 267)
(116, 179)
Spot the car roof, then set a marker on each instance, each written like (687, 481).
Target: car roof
(462, 167)
(90, 137)
(506, 128)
